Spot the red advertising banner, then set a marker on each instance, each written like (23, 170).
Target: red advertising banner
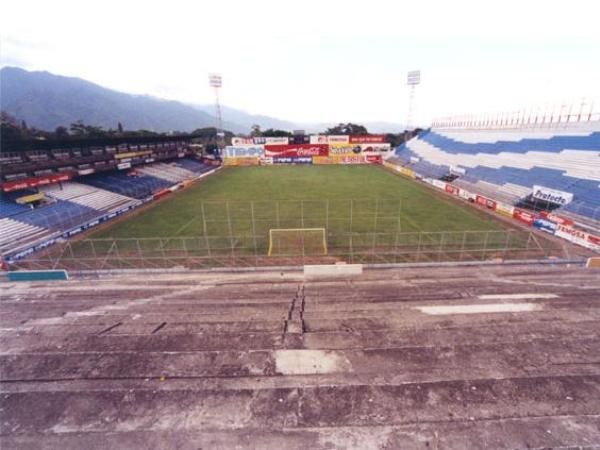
(452, 189)
(556, 219)
(524, 216)
(296, 150)
(484, 201)
(10, 186)
(374, 159)
(367, 139)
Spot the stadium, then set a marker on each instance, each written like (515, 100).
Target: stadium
(253, 225)
(311, 291)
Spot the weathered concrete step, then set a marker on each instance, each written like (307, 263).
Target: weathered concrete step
(539, 357)
(431, 336)
(100, 410)
(139, 325)
(140, 343)
(407, 321)
(564, 432)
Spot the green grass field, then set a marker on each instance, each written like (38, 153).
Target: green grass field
(300, 196)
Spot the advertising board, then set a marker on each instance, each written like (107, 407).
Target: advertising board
(578, 237)
(439, 184)
(292, 160)
(484, 201)
(452, 189)
(556, 218)
(457, 169)
(552, 195)
(367, 139)
(375, 148)
(243, 152)
(277, 140)
(291, 150)
(250, 161)
(123, 166)
(344, 149)
(10, 186)
(524, 216)
(407, 172)
(505, 209)
(239, 141)
(545, 225)
(85, 171)
(299, 139)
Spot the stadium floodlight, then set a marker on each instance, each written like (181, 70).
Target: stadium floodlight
(215, 81)
(413, 78)
(297, 242)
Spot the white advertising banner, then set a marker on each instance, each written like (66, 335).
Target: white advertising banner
(552, 195)
(375, 148)
(318, 139)
(243, 151)
(439, 184)
(578, 237)
(457, 169)
(341, 139)
(283, 140)
(238, 141)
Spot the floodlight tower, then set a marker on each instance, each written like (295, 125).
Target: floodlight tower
(215, 81)
(413, 79)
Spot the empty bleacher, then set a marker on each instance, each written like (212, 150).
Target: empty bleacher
(58, 216)
(193, 165)
(14, 233)
(82, 194)
(168, 172)
(138, 186)
(409, 358)
(511, 162)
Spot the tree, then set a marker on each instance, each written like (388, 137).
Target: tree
(276, 133)
(61, 132)
(255, 130)
(347, 128)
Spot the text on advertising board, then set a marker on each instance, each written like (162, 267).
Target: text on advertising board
(552, 195)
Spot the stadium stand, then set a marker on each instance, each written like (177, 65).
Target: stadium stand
(193, 165)
(59, 215)
(136, 186)
(168, 172)
(8, 205)
(482, 357)
(509, 163)
(98, 199)
(14, 233)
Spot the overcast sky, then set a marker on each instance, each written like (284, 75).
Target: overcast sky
(318, 60)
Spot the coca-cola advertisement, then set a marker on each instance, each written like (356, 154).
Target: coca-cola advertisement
(297, 150)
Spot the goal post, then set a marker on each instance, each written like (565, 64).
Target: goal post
(297, 242)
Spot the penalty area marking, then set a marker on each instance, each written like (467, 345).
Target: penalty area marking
(479, 309)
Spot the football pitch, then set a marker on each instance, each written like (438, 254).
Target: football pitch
(342, 199)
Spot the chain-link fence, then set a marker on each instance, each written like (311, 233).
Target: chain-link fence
(251, 250)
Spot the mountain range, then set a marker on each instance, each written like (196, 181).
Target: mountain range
(45, 101)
